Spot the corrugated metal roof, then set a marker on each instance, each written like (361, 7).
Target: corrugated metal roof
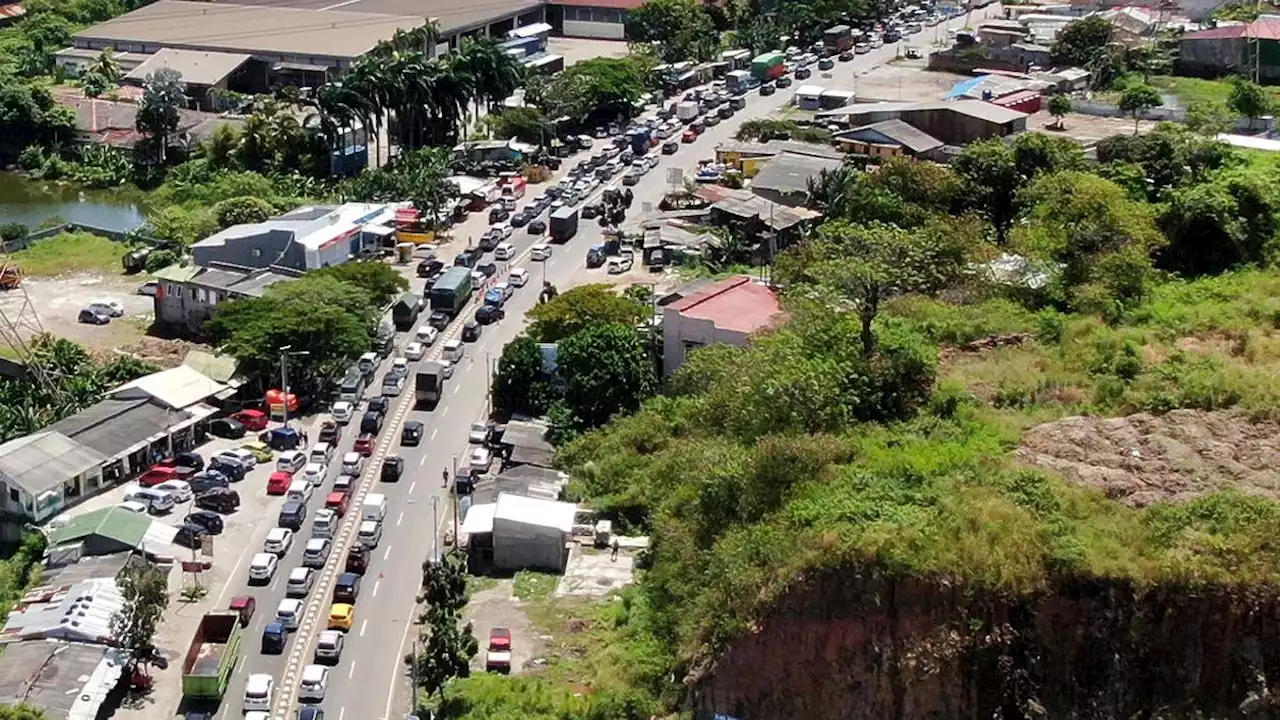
(791, 172)
(123, 526)
(66, 680)
(79, 612)
(178, 387)
(41, 462)
(198, 67)
(902, 133)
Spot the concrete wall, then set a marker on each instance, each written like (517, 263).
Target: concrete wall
(601, 31)
(517, 546)
(682, 335)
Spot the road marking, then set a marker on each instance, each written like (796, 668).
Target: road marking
(412, 486)
(350, 674)
(433, 433)
(343, 711)
(376, 583)
(445, 411)
(363, 624)
(399, 519)
(456, 388)
(421, 462)
(386, 554)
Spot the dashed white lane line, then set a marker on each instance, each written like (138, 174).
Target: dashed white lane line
(456, 388)
(350, 674)
(363, 624)
(413, 486)
(376, 583)
(445, 411)
(399, 519)
(423, 461)
(342, 712)
(433, 433)
(387, 554)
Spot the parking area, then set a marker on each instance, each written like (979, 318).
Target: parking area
(57, 302)
(578, 49)
(497, 607)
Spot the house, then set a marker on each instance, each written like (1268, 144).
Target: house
(520, 532)
(954, 122)
(601, 19)
(114, 123)
(750, 157)
(43, 473)
(308, 238)
(188, 296)
(203, 71)
(1226, 49)
(111, 530)
(525, 443)
(728, 312)
(809, 97)
(65, 680)
(785, 179)
(890, 138)
(759, 219)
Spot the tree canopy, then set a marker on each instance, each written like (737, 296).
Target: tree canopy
(380, 281)
(601, 87)
(681, 29)
(607, 369)
(582, 307)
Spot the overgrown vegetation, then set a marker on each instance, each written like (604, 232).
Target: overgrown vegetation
(69, 253)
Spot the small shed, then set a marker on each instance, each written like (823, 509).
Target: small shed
(809, 97)
(531, 532)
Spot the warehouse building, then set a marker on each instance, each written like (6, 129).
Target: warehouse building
(601, 19)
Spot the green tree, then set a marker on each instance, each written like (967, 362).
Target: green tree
(242, 211)
(379, 281)
(519, 386)
(1249, 99)
(444, 584)
(1220, 225)
(608, 369)
(21, 711)
(447, 650)
(333, 320)
(990, 171)
(1101, 239)
(526, 124)
(682, 29)
(1081, 42)
(144, 590)
(1059, 107)
(163, 95)
(1035, 154)
(1170, 156)
(29, 116)
(1208, 118)
(599, 87)
(182, 225)
(582, 307)
(1136, 100)
(899, 192)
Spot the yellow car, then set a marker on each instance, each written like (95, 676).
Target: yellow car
(259, 450)
(341, 615)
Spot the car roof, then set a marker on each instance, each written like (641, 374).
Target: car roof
(299, 572)
(262, 559)
(348, 578)
(317, 542)
(279, 531)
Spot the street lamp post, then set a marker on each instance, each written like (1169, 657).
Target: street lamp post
(285, 352)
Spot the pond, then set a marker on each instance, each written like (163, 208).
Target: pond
(33, 202)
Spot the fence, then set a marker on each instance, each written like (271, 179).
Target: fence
(1161, 114)
(113, 235)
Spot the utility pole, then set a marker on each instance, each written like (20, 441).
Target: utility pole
(488, 383)
(435, 528)
(285, 352)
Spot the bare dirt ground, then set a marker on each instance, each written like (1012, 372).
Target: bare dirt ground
(1143, 459)
(497, 607)
(579, 49)
(57, 301)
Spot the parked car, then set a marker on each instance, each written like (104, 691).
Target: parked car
(221, 500)
(252, 420)
(210, 521)
(90, 317)
(226, 428)
(412, 433)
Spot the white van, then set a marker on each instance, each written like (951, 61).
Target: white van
(619, 264)
(258, 690)
(453, 350)
(321, 453)
(367, 363)
(289, 613)
(504, 251)
(290, 461)
(263, 567)
(352, 463)
(315, 680)
(157, 501)
(519, 277)
(299, 490)
(541, 251)
(370, 533)
(374, 507)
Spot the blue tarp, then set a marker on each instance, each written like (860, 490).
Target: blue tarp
(964, 86)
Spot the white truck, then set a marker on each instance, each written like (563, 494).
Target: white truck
(374, 507)
(687, 110)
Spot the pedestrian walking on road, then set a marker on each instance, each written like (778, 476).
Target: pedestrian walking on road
(613, 555)
(445, 476)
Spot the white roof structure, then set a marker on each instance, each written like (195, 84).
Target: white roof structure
(534, 511)
(810, 90)
(479, 519)
(82, 612)
(179, 387)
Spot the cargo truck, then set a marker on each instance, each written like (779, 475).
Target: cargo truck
(768, 66)
(737, 81)
(451, 292)
(639, 140)
(429, 384)
(212, 657)
(564, 224)
(687, 110)
(838, 39)
(405, 312)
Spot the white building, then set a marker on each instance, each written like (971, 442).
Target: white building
(727, 312)
(525, 532)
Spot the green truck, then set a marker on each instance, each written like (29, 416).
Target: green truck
(212, 657)
(452, 291)
(768, 66)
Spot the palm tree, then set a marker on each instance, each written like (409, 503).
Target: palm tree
(106, 66)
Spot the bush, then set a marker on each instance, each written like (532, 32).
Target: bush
(159, 259)
(13, 231)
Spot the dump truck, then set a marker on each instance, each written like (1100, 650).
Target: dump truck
(451, 292)
(564, 224)
(768, 66)
(429, 384)
(212, 656)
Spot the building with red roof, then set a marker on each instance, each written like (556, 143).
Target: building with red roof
(1231, 49)
(727, 312)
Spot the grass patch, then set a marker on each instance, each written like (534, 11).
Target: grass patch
(70, 253)
(480, 583)
(1191, 90)
(534, 585)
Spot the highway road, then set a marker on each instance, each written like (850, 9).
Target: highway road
(370, 680)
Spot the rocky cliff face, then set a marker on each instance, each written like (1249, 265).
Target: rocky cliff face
(850, 646)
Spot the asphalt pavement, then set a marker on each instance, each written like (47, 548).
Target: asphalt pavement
(370, 680)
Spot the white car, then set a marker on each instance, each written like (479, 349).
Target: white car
(258, 690)
(477, 279)
(133, 506)
(263, 567)
(504, 251)
(446, 368)
(619, 264)
(324, 524)
(321, 452)
(314, 473)
(502, 229)
(278, 541)
(329, 646)
(247, 459)
(519, 277)
(107, 306)
(289, 613)
(315, 680)
(352, 463)
(426, 334)
(478, 433)
(392, 388)
(541, 251)
(415, 350)
(299, 583)
(343, 411)
(179, 489)
(400, 365)
(481, 459)
(316, 552)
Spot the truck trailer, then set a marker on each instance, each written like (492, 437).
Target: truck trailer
(738, 81)
(428, 386)
(838, 39)
(212, 656)
(687, 110)
(564, 224)
(768, 66)
(451, 292)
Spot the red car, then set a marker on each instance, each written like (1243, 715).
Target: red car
(337, 501)
(498, 658)
(157, 475)
(244, 605)
(252, 420)
(278, 483)
(365, 444)
(689, 136)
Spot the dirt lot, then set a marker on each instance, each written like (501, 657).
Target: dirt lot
(57, 302)
(1143, 459)
(497, 607)
(579, 49)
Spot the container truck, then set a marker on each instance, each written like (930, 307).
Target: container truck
(429, 384)
(687, 110)
(639, 140)
(451, 292)
(405, 312)
(838, 39)
(737, 81)
(564, 224)
(768, 66)
(212, 656)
